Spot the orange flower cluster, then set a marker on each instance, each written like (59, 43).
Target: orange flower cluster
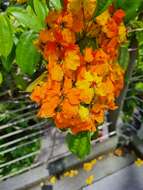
(82, 82)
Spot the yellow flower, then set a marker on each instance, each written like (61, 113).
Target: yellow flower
(97, 79)
(74, 5)
(66, 174)
(71, 173)
(87, 95)
(89, 8)
(82, 84)
(139, 162)
(104, 89)
(103, 18)
(89, 180)
(93, 162)
(100, 157)
(72, 60)
(53, 180)
(122, 33)
(89, 77)
(57, 73)
(84, 113)
(87, 166)
(87, 5)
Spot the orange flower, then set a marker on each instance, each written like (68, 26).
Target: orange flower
(100, 57)
(68, 109)
(78, 21)
(98, 113)
(52, 17)
(48, 108)
(83, 126)
(100, 69)
(67, 84)
(111, 28)
(88, 56)
(56, 73)
(72, 60)
(68, 36)
(65, 20)
(87, 95)
(74, 96)
(36, 94)
(112, 48)
(46, 36)
(50, 48)
(118, 16)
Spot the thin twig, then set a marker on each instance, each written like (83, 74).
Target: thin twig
(135, 30)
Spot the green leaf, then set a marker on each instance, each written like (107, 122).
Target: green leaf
(1, 78)
(20, 82)
(56, 4)
(27, 55)
(26, 18)
(7, 62)
(139, 37)
(79, 144)
(102, 5)
(41, 10)
(139, 86)
(6, 36)
(130, 7)
(124, 56)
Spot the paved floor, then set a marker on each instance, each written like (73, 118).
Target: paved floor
(130, 178)
(106, 168)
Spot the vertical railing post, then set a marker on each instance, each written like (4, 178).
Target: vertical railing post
(114, 115)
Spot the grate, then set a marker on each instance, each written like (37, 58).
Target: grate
(20, 135)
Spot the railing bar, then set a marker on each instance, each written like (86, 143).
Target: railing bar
(22, 130)
(132, 49)
(137, 118)
(140, 109)
(131, 126)
(19, 146)
(23, 138)
(4, 93)
(17, 118)
(134, 97)
(15, 102)
(137, 79)
(104, 125)
(21, 97)
(21, 171)
(105, 136)
(19, 159)
(15, 123)
(22, 109)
